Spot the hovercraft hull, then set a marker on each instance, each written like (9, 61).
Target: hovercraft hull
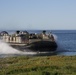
(41, 46)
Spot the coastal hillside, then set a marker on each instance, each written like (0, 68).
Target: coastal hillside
(46, 65)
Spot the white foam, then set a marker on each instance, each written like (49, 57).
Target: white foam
(60, 47)
(55, 37)
(7, 49)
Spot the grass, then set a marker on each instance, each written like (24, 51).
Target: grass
(47, 65)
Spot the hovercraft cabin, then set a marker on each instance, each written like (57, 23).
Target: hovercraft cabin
(18, 37)
(24, 37)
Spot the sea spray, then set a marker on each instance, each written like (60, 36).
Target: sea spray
(55, 37)
(60, 47)
(5, 48)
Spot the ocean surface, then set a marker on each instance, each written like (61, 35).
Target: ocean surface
(65, 39)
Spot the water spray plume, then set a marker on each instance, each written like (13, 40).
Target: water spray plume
(55, 37)
(7, 49)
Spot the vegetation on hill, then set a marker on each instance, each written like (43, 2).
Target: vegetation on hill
(46, 65)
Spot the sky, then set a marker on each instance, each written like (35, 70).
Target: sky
(38, 14)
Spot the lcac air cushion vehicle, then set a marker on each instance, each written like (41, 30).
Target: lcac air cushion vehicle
(22, 40)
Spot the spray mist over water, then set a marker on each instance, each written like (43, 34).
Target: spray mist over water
(60, 47)
(55, 37)
(7, 49)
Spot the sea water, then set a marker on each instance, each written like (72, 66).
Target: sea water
(65, 39)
